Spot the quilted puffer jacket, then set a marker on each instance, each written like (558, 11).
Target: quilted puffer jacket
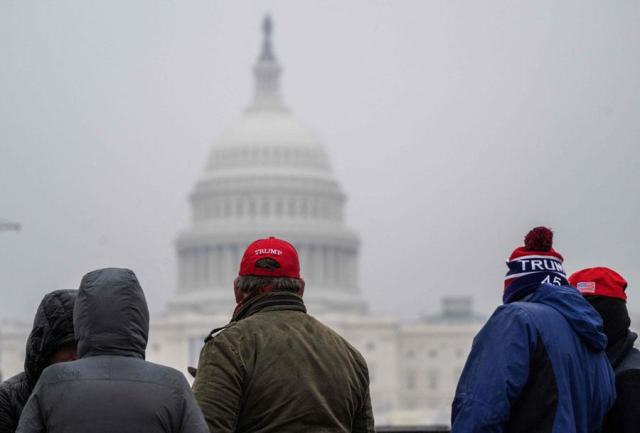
(52, 329)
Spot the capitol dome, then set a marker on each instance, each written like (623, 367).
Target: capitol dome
(267, 175)
(264, 137)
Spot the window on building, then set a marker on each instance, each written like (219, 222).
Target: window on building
(291, 205)
(410, 379)
(432, 379)
(370, 346)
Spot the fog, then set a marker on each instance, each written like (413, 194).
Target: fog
(454, 127)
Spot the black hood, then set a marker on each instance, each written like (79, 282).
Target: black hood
(52, 329)
(111, 315)
(615, 317)
(618, 351)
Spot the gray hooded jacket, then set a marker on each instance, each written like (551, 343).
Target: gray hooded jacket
(52, 330)
(111, 388)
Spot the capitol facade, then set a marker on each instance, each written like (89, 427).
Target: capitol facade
(268, 175)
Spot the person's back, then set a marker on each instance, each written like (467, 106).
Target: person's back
(51, 340)
(536, 366)
(111, 394)
(299, 374)
(274, 368)
(111, 388)
(572, 377)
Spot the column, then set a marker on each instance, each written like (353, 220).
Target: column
(213, 268)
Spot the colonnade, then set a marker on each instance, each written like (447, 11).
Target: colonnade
(215, 266)
(293, 156)
(274, 207)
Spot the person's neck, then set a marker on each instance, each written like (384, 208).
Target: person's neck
(260, 301)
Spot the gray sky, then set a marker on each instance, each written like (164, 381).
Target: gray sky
(453, 126)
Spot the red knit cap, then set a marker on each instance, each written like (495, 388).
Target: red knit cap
(535, 256)
(533, 264)
(599, 282)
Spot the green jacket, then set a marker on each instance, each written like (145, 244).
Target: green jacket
(274, 368)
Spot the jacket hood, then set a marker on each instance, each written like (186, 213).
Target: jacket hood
(582, 317)
(52, 329)
(111, 315)
(618, 351)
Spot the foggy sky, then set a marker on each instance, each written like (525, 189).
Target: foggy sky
(453, 126)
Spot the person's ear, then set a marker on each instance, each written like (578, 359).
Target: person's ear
(301, 292)
(237, 292)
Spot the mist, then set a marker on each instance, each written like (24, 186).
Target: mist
(453, 127)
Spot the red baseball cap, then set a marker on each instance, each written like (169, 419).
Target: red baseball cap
(277, 249)
(599, 282)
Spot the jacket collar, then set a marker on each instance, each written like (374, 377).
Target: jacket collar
(269, 302)
(619, 350)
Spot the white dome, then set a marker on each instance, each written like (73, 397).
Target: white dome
(265, 138)
(267, 175)
(268, 128)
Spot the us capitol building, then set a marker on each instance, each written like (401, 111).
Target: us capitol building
(268, 175)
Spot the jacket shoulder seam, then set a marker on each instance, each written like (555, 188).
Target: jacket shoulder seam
(106, 379)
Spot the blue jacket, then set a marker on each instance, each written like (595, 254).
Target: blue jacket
(537, 366)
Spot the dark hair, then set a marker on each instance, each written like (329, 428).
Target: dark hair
(253, 284)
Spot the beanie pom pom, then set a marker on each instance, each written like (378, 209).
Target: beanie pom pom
(539, 239)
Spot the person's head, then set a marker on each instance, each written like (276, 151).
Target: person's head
(111, 315)
(268, 265)
(52, 338)
(65, 353)
(532, 264)
(605, 289)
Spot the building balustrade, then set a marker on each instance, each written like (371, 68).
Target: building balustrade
(413, 429)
